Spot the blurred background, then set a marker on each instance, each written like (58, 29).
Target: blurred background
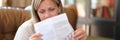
(96, 17)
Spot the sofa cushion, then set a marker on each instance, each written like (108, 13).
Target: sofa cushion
(72, 15)
(10, 20)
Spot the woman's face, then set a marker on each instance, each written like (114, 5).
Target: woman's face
(48, 9)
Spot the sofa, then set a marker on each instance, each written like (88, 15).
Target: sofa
(12, 18)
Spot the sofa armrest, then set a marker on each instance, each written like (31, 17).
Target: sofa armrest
(10, 20)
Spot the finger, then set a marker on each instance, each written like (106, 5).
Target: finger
(78, 29)
(36, 35)
(84, 38)
(35, 38)
(74, 38)
(78, 33)
(81, 37)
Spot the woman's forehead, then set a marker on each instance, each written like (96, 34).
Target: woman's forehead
(47, 3)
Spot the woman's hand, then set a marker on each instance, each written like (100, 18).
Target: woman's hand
(36, 36)
(79, 34)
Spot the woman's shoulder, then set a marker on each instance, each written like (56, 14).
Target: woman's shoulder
(25, 30)
(28, 24)
(27, 27)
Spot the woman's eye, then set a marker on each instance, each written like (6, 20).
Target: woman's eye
(42, 11)
(51, 9)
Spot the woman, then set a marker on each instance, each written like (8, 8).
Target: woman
(41, 10)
